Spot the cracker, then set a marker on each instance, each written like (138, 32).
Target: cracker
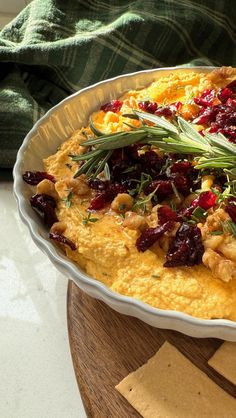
(224, 361)
(170, 386)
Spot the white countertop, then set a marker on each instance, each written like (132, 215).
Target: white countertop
(36, 374)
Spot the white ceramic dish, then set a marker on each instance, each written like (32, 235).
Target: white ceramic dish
(44, 138)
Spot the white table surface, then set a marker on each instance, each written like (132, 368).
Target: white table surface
(36, 374)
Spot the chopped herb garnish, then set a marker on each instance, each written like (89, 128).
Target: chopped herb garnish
(88, 219)
(176, 193)
(199, 214)
(146, 179)
(141, 203)
(68, 199)
(130, 169)
(132, 192)
(156, 276)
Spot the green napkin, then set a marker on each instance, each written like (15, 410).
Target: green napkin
(55, 47)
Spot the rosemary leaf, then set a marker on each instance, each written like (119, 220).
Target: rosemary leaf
(87, 219)
(105, 138)
(221, 143)
(128, 138)
(107, 173)
(171, 145)
(68, 199)
(191, 132)
(87, 166)
(157, 120)
(102, 163)
(155, 131)
(94, 129)
(95, 164)
(86, 156)
(130, 116)
(217, 162)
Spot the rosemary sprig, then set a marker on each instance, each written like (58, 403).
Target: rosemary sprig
(209, 151)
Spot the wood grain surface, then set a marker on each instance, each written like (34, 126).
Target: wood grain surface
(106, 346)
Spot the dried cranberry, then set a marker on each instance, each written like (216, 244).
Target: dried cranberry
(176, 106)
(62, 239)
(224, 94)
(113, 106)
(232, 86)
(98, 184)
(229, 132)
(205, 200)
(132, 151)
(147, 106)
(181, 183)
(186, 212)
(181, 167)
(231, 103)
(165, 214)
(45, 206)
(150, 162)
(231, 119)
(206, 98)
(151, 158)
(186, 248)
(214, 128)
(220, 118)
(106, 196)
(151, 235)
(163, 188)
(118, 168)
(231, 208)
(164, 111)
(206, 117)
(34, 177)
(226, 118)
(99, 202)
(232, 200)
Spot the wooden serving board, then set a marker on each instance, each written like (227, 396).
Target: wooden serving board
(106, 346)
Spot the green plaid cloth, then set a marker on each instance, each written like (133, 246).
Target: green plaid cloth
(55, 47)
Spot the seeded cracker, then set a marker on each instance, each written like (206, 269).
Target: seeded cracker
(224, 361)
(170, 386)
